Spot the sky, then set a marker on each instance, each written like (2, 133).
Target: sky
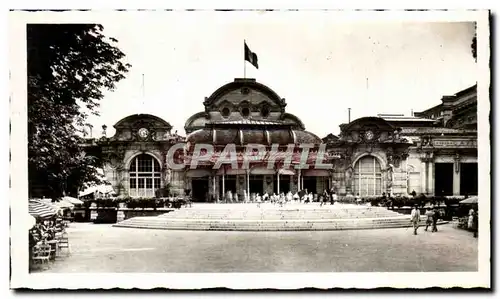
(321, 65)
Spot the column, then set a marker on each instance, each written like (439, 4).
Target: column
(278, 182)
(248, 186)
(456, 177)
(299, 185)
(213, 188)
(430, 178)
(423, 180)
(223, 187)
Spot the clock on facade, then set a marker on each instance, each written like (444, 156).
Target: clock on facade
(369, 135)
(143, 132)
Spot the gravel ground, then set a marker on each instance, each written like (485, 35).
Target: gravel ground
(103, 248)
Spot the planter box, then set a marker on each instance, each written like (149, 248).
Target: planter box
(104, 215)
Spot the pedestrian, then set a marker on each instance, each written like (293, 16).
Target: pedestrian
(470, 221)
(334, 198)
(435, 220)
(302, 193)
(258, 199)
(265, 197)
(359, 201)
(430, 214)
(475, 224)
(324, 198)
(415, 218)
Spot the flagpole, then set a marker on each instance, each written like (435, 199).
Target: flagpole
(244, 62)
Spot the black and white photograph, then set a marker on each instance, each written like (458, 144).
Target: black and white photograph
(192, 149)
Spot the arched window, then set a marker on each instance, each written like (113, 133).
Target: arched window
(145, 176)
(367, 177)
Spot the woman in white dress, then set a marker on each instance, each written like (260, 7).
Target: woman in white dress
(258, 199)
(265, 197)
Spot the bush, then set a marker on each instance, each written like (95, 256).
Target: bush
(139, 203)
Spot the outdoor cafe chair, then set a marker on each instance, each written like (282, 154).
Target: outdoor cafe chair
(41, 254)
(64, 242)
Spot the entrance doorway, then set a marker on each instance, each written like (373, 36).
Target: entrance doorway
(256, 184)
(443, 178)
(199, 189)
(284, 184)
(310, 184)
(229, 185)
(468, 179)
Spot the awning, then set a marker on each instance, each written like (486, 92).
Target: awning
(316, 172)
(470, 200)
(41, 209)
(221, 171)
(104, 188)
(72, 200)
(262, 171)
(198, 173)
(62, 204)
(286, 172)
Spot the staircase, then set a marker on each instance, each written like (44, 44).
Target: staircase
(268, 217)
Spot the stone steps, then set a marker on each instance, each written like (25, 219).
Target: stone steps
(272, 218)
(280, 214)
(266, 225)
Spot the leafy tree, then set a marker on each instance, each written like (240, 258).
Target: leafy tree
(474, 43)
(69, 68)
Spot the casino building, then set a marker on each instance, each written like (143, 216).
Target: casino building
(432, 152)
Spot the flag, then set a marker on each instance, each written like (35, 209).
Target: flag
(251, 57)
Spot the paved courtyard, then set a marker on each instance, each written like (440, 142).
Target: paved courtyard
(103, 248)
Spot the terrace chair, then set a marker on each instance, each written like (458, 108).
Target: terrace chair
(41, 254)
(64, 242)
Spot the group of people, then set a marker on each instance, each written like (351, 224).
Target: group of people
(303, 196)
(432, 214)
(472, 222)
(46, 230)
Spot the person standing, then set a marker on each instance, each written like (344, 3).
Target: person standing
(324, 198)
(359, 201)
(470, 220)
(415, 218)
(475, 223)
(435, 218)
(430, 215)
(334, 198)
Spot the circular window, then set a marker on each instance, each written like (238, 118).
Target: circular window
(265, 111)
(225, 112)
(245, 111)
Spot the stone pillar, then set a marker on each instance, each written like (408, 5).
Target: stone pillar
(223, 188)
(430, 178)
(278, 183)
(348, 181)
(293, 185)
(248, 186)
(423, 178)
(211, 188)
(456, 176)
(299, 182)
